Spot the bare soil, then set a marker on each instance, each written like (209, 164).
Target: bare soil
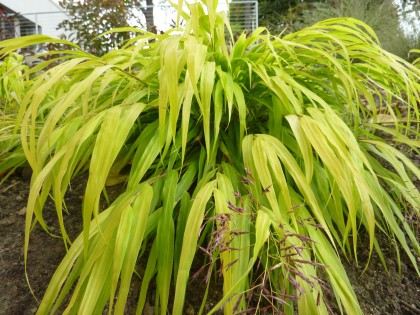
(378, 292)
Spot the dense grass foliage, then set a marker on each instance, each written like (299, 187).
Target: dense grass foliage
(270, 154)
(12, 90)
(390, 31)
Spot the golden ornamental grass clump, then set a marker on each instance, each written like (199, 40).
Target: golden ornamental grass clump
(269, 153)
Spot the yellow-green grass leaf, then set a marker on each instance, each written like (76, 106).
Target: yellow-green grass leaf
(99, 279)
(122, 240)
(220, 201)
(283, 197)
(264, 175)
(348, 151)
(335, 271)
(206, 89)
(272, 144)
(218, 113)
(14, 44)
(262, 232)
(195, 59)
(304, 145)
(141, 207)
(111, 137)
(145, 155)
(165, 240)
(186, 111)
(75, 91)
(180, 228)
(225, 78)
(147, 277)
(241, 105)
(189, 244)
(109, 217)
(389, 212)
(332, 159)
(28, 112)
(103, 244)
(233, 261)
(399, 161)
(40, 181)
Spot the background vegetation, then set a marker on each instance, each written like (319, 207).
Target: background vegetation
(395, 22)
(90, 18)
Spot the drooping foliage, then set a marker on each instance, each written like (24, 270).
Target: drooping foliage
(397, 33)
(390, 31)
(271, 154)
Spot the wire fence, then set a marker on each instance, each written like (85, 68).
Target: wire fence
(243, 16)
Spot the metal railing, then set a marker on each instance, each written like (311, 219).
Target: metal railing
(16, 25)
(243, 16)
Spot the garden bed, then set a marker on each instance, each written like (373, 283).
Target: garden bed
(377, 291)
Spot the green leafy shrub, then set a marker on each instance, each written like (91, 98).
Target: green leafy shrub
(270, 152)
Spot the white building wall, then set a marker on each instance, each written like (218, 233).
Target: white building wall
(45, 13)
(31, 6)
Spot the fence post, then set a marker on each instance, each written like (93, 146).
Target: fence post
(256, 14)
(36, 23)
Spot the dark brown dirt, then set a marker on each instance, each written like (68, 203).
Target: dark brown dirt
(377, 291)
